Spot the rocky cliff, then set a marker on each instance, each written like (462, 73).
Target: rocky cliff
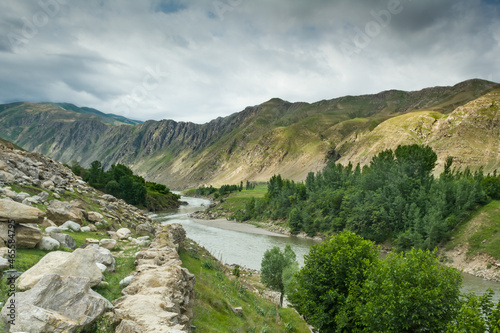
(274, 137)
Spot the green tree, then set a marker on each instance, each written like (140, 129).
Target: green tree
(274, 264)
(323, 286)
(408, 292)
(477, 315)
(95, 174)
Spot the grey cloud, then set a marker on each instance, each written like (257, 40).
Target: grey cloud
(101, 53)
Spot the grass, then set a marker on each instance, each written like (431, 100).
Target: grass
(481, 231)
(123, 267)
(237, 200)
(216, 293)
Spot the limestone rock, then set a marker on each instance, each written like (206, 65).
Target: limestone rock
(57, 304)
(27, 236)
(85, 229)
(73, 226)
(54, 229)
(48, 244)
(80, 263)
(144, 229)
(48, 223)
(109, 197)
(60, 212)
(45, 266)
(91, 241)
(95, 217)
(107, 243)
(123, 233)
(49, 184)
(7, 177)
(4, 264)
(103, 256)
(126, 281)
(10, 210)
(65, 239)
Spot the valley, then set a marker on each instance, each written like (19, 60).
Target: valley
(275, 137)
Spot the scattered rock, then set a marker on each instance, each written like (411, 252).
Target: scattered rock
(10, 210)
(95, 217)
(103, 256)
(109, 197)
(108, 243)
(65, 239)
(144, 229)
(55, 229)
(73, 226)
(48, 223)
(123, 233)
(6, 177)
(60, 212)
(237, 310)
(48, 244)
(91, 241)
(27, 236)
(126, 281)
(57, 304)
(85, 229)
(49, 185)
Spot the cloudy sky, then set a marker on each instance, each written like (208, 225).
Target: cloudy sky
(195, 60)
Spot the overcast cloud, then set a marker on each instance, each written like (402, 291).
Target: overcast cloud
(197, 60)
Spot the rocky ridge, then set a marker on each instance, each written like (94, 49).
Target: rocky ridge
(274, 137)
(46, 201)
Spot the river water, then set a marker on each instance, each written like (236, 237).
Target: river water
(244, 244)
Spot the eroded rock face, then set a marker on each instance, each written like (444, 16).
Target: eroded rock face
(160, 297)
(56, 304)
(11, 210)
(60, 212)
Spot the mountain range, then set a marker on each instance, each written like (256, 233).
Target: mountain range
(274, 137)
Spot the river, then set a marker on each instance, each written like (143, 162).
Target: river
(245, 244)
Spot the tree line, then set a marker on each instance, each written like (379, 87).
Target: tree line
(223, 190)
(394, 197)
(120, 181)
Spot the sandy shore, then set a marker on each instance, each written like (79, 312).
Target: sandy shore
(236, 226)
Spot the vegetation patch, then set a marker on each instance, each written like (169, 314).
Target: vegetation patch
(216, 294)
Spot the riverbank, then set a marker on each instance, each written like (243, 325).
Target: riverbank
(474, 247)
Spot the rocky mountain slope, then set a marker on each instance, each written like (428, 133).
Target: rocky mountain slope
(44, 208)
(274, 137)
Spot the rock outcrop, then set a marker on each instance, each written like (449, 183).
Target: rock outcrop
(56, 304)
(160, 297)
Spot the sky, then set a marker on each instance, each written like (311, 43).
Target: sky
(201, 59)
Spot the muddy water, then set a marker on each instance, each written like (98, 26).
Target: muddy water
(244, 244)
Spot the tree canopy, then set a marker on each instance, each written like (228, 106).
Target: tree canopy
(331, 271)
(277, 268)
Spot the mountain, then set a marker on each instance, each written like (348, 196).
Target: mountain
(274, 137)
